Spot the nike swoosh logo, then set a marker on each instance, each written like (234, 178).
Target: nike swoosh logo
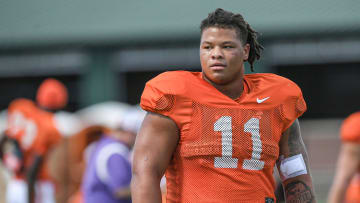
(261, 100)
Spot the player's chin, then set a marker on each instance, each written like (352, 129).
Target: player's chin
(219, 79)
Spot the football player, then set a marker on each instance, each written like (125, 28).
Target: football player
(217, 134)
(346, 183)
(33, 127)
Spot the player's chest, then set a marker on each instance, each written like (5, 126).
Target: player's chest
(232, 136)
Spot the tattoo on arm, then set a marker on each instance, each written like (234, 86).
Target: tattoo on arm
(295, 142)
(298, 191)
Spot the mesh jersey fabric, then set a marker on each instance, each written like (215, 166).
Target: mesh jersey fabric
(35, 131)
(227, 148)
(350, 132)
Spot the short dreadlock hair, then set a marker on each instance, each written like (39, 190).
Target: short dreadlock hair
(225, 19)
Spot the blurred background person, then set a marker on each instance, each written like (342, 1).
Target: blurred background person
(346, 183)
(62, 159)
(32, 133)
(80, 146)
(108, 170)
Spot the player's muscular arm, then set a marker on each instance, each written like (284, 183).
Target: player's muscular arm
(293, 166)
(155, 144)
(347, 166)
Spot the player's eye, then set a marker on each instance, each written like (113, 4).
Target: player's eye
(228, 47)
(206, 47)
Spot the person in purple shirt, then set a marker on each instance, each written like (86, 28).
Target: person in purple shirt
(108, 172)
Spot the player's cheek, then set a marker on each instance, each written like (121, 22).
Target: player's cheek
(204, 60)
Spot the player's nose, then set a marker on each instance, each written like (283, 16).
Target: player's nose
(217, 53)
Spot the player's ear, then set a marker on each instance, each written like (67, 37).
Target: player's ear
(246, 51)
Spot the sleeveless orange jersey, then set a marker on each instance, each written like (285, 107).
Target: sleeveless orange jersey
(350, 132)
(227, 148)
(35, 131)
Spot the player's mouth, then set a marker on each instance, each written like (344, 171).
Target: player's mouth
(217, 66)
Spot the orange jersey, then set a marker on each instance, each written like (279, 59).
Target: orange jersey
(227, 148)
(350, 132)
(34, 129)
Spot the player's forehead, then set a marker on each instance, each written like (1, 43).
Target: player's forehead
(219, 34)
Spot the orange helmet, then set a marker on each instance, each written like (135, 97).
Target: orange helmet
(52, 94)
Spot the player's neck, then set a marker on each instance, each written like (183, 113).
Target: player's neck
(233, 89)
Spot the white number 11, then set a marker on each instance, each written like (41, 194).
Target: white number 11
(252, 126)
